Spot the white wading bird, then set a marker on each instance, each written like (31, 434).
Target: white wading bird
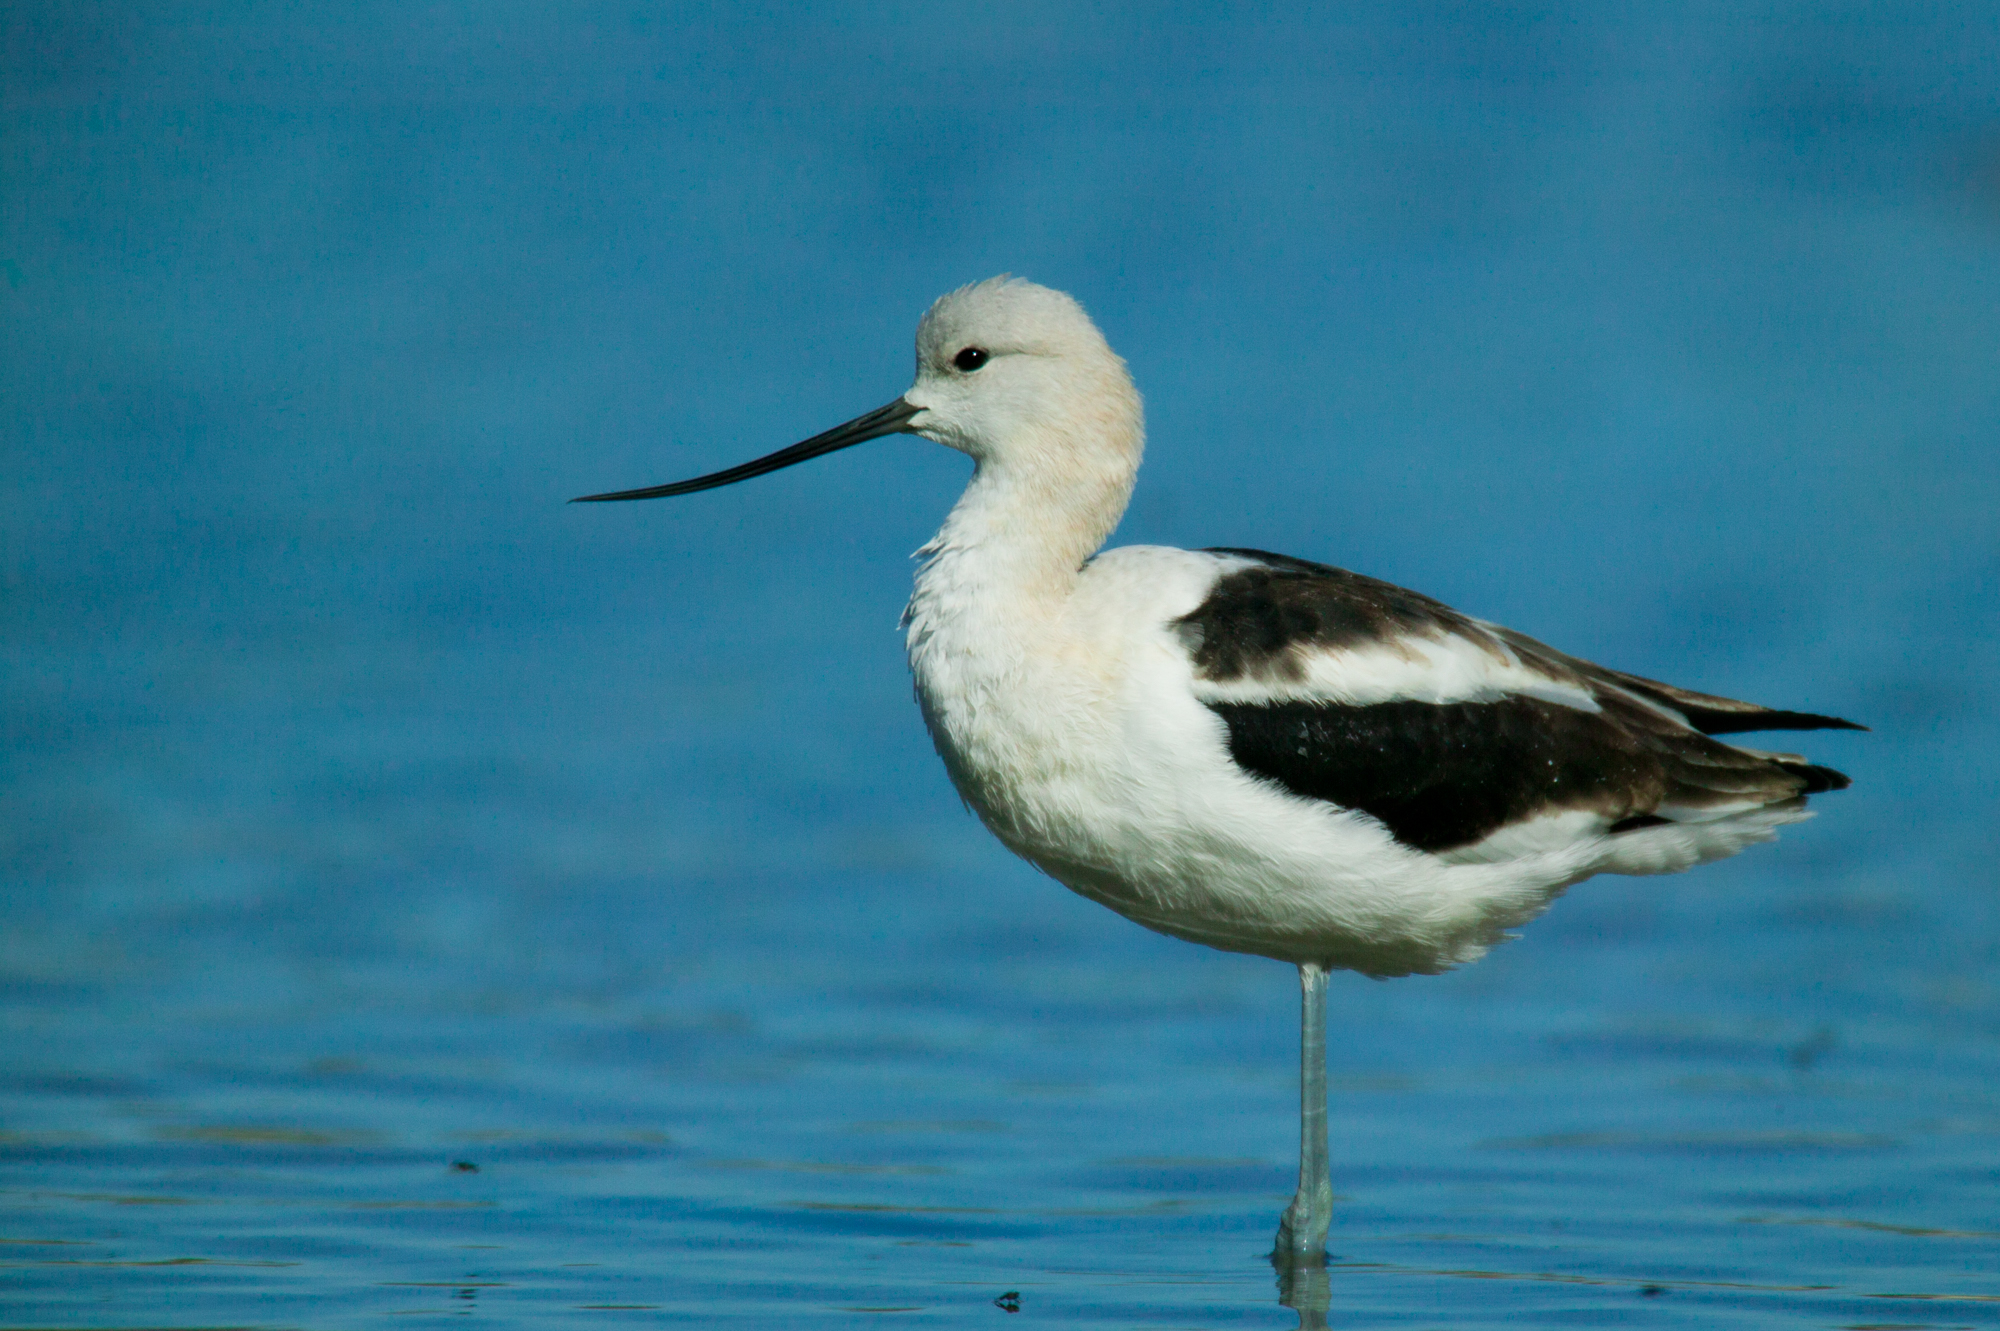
(1255, 752)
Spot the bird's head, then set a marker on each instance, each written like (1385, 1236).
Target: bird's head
(1014, 375)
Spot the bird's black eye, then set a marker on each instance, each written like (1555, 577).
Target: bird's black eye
(970, 359)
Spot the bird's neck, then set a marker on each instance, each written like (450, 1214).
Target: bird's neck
(1008, 557)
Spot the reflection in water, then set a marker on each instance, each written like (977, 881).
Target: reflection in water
(1304, 1289)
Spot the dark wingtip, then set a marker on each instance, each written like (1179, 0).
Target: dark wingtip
(1818, 779)
(1809, 721)
(1743, 723)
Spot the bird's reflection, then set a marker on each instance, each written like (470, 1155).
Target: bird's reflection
(1302, 1287)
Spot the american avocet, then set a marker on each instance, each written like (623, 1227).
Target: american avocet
(1256, 752)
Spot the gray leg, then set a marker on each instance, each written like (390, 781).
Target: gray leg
(1302, 1233)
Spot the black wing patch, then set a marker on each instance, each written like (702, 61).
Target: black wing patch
(1255, 621)
(1444, 775)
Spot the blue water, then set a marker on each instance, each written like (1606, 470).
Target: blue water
(422, 898)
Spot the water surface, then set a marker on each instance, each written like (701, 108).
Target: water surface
(422, 899)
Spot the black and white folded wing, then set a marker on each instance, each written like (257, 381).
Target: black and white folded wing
(1470, 742)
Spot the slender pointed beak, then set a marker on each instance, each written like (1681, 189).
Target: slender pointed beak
(892, 419)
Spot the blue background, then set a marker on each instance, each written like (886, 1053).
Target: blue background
(366, 808)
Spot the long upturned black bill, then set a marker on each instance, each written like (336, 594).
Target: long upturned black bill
(886, 420)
